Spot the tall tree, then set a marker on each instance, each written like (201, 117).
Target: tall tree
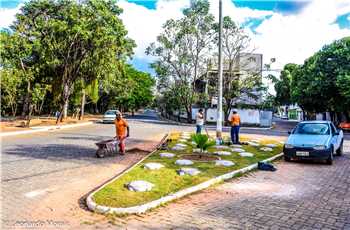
(320, 84)
(182, 49)
(70, 33)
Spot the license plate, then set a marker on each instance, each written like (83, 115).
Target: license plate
(302, 153)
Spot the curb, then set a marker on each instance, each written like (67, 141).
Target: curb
(144, 207)
(44, 129)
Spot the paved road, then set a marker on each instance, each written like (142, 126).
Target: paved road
(41, 166)
(299, 195)
(45, 176)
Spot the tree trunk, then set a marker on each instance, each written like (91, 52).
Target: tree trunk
(65, 102)
(28, 118)
(189, 114)
(81, 115)
(26, 102)
(41, 105)
(14, 109)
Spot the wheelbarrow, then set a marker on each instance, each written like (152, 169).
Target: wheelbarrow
(107, 148)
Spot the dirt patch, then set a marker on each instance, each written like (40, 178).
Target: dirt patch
(18, 124)
(199, 157)
(136, 151)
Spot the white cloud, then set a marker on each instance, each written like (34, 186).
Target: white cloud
(348, 18)
(8, 16)
(288, 38)
(293, 38)
(144, 25)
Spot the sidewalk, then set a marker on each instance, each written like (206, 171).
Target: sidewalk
(36, 129)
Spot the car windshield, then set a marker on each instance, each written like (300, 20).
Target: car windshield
(312, 129)
(110, 112)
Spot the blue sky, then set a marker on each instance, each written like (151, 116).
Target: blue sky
(287, 30)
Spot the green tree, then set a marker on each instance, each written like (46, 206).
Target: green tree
(182, 50)
(321, 84)
(69, 35)
(11, 82)
(235, 47)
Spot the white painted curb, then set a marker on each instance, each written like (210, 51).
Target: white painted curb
(46, 128)
(143, 208)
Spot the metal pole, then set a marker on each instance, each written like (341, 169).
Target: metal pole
(219, 106)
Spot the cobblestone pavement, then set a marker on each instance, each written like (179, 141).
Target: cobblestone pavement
(299, 195)
(44, 175)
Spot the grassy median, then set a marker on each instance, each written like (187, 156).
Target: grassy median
(167, 180)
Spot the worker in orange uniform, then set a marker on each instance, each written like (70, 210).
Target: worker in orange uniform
(122, 131)
(235, 124)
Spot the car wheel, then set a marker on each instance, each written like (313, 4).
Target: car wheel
(329, 161)
(287, 159)
(340, 149)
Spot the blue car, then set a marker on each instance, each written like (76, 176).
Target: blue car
(318, 140)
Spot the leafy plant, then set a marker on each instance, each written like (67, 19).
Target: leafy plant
(203, 142)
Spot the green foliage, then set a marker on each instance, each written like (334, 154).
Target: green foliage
(59, 43)
(283, 85)
(322, 83)
(181, 51)
(203, 142)
(140, 87)
(10, 83)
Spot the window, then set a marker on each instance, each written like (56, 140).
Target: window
(312, 129)
(333, 129)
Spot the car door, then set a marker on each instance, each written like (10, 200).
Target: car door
(335, 139)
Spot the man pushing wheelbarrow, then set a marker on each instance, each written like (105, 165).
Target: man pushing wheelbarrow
(109, 147)
(122, 131)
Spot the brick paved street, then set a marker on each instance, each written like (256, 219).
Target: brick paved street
(45, 177)
(45, 174)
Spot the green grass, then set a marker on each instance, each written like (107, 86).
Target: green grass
(167, 181)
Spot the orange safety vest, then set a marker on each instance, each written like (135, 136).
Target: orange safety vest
(235, 120)
(120, 127)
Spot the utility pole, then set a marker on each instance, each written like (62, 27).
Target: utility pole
(219, 105)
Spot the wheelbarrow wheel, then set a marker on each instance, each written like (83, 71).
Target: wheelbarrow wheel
(100, 153)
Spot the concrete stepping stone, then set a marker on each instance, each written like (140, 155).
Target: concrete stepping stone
(221, 147)
(238, 150)
(184, 162)
(266, 149)
(153, 166)
(167, 155)
(196, 150)
(223, 153)
(271, 145)
(188, 171)
(178, 148)
(181, 145)
(140, 186)
(224, 163)
(182, 140)
(253, 144)
(246, 154)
